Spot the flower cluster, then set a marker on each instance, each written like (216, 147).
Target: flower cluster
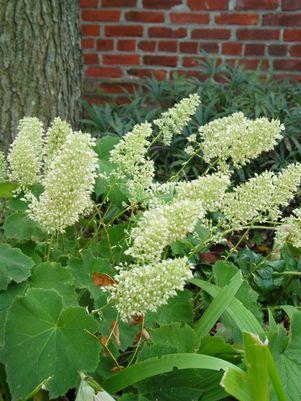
(174, 120)
(55, 138)
(260, 198)
(26, 153)
(161, 226)
(3, 167)
(290, 230)
(68, 184)
(161, 193)
(239, 139)
(145, 288)
(209, 189)
(132, 164)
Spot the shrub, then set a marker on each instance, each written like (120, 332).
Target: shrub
(228, 89)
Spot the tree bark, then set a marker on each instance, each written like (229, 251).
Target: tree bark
(40, 62)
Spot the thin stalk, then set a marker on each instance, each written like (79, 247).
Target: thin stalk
(51, 243)
(138, 344)
(104, 347)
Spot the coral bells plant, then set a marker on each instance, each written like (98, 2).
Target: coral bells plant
(99, 254)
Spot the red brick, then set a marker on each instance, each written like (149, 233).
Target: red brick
(113, 87)
(208, 4)
(168, 46)
(163, 32)
(161, 4)
(189, 47)
(126, 45)
(291, 5)
(104, 72)
(237, 19)
(101, 15)
(232, 48)
(295, 51)
(256, 4)
(88, 43)
(290, 65)
(147, 46)
(277, 50)
(257, 34)
(251, 64)
(90, 58)
(193, 61)
(254, 49)
(190, 73)
(94, 100)
(189, 18)
(105, 44)
(88, 3)
(124, 30)
(90, 30)
(282, 19)
(144, 16)
(168, 61)
(287, 76)
(121, 59)
(143, 72)
(209, 47)
(119, 3)
(292, 35)
(210, 33)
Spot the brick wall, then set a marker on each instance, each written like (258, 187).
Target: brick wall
(127, 39)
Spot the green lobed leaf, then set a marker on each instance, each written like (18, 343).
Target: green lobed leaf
(50, 275)
(168, 339)
(178, 309)
(82, 270)
(7, 189)
(6, 299)
(105, 144)
(286, 353)
(216, 346)
(55, 339)
(20, 227)
(14, 266)
(133, 397)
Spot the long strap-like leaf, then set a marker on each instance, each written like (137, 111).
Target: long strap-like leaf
(218, 306)
(158, 365)
(242, 317)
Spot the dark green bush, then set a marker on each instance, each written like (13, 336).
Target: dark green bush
(226, 90)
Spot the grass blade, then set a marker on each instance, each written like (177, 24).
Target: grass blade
(158, 365)
(236, 384)
(256, 354)
(218, 306)
(275, 379)
(242, 317)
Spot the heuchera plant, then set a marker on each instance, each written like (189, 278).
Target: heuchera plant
(96, 254)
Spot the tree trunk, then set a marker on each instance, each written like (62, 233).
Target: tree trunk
(40, 62)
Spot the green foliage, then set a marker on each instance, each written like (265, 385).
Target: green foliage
(55, 339)
(226, 90)
(62, 331)
(14, 266)
(287, 355)
(19, 226)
